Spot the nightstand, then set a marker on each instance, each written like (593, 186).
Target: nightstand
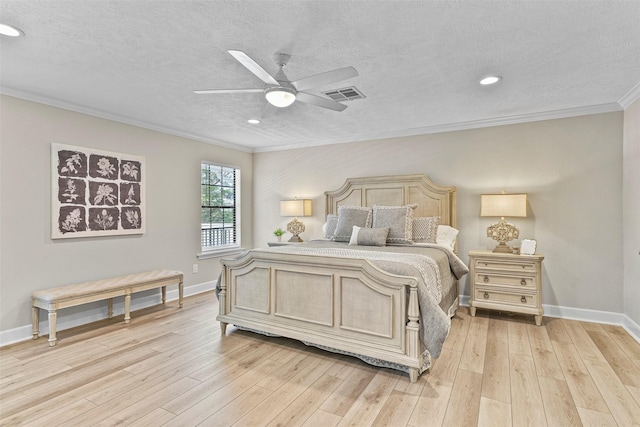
(506, 282)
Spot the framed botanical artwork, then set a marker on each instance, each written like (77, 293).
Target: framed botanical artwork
(96, 193)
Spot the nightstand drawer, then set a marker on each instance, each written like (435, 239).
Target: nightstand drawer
(505, 265)
(523, 282)
(522, 300)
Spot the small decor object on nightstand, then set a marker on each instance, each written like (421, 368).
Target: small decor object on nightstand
(278, 233)
(295, 208)
(528, 247)
(501, 205)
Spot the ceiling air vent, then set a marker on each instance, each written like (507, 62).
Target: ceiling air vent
(344, 94)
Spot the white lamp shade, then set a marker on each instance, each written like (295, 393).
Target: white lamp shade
(503, 205)
(280, 96)
(298, 207)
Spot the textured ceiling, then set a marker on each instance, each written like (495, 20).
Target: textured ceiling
(419, 63)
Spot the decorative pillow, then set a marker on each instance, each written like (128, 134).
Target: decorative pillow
(425, 229)
(446, 236)
(348, 216)
(329, 227)
(398, 219)
(369, 236)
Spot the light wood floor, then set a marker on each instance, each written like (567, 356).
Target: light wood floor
(169, 366)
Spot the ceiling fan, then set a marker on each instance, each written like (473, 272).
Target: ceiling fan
(282, 92)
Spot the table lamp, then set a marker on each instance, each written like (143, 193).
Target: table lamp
(295, 208)
(503, 205)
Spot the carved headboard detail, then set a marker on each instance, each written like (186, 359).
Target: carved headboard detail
(397, 190)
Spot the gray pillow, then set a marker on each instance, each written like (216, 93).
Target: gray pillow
(369, 236)
(425, 229)
(399, 219)
(329, 228)
(348, 216)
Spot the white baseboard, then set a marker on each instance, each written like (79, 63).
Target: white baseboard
(585, 315)
(23, 333)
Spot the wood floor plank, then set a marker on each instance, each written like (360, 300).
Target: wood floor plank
(583, 389)
(543, 354)
(559, 406)
(347, 393)
(474, 350)
(432, 404)
(496, 384)
(591, 418)
(54, 418)
(519, 339)
(322, 418)
(494, 413)
(370, 402)
(236, 409)
(583, 342)
(396, 410)
(621, 404)
(445, 367)
(526, 402)
(555, 329)
(155, 418)
(630, 346)
(635, 392)
(624, 367)
(296, 413)
(464, 402)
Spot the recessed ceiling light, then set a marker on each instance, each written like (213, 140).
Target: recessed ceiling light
(253, 121)
(8, 30)
(489, 80)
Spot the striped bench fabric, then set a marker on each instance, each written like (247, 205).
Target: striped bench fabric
(53, 299)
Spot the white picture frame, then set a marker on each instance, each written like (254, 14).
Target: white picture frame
(96, 193)
(528, 247)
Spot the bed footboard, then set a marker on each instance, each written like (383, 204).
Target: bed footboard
(346, 304)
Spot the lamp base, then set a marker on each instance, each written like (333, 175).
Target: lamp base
(295, 227)
(503, 248)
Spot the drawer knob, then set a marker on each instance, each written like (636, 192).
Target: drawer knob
(523, 299)
(486, 278)
(486, 295)
(523, 281)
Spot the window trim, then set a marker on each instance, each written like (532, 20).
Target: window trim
(214, 251)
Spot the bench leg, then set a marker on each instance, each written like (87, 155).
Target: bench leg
(52, 327)
(35, 321)
(180, 293)
(110, 307)
(164, 294)
(127, 307)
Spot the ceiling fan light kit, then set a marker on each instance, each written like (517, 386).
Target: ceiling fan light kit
(282, 92)
(280, 96)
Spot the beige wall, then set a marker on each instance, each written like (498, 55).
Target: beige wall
(30, 260)
(571, 169)
(631, 212)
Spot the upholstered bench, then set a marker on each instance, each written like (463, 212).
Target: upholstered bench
(68, 296)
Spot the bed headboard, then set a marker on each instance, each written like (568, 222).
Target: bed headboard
(397, 190)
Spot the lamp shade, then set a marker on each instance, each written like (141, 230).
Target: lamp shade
(503, 205)
(280, 96)
(298, 207)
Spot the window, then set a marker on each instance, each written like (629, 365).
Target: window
(220, 194)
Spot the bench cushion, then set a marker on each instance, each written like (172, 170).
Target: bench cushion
(61, 293)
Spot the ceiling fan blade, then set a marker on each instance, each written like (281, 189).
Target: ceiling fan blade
(253, 66)
(205, 91)
(319, 101)
(325, 78)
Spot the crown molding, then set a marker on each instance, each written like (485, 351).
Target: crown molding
(451, 127)
(630, 97)
(53, 102)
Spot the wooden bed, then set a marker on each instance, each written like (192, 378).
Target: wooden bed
(319, 299)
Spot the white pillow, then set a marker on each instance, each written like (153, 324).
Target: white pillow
(369, 236)
(446, 236)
